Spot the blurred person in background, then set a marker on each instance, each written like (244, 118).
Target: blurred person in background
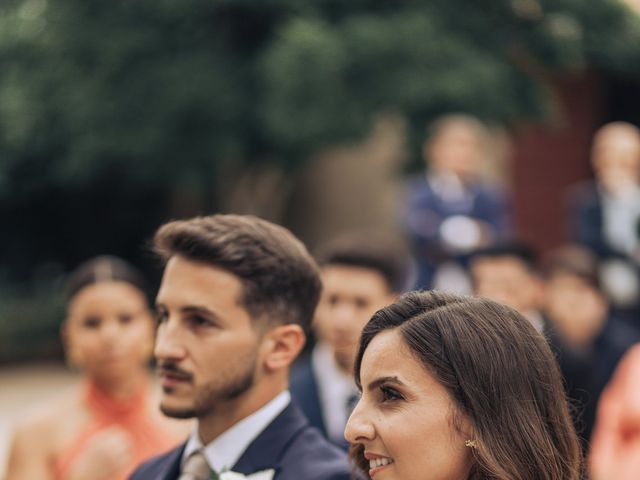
(588, 338)
(360, 275)
(508, 273)
(111, 422)
(450, 210)
(605, 214)
(615, 446)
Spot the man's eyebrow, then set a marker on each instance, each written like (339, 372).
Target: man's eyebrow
(191, 309)
(382, 381)
(196, 309)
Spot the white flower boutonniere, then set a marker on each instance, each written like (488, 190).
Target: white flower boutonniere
(262, 475)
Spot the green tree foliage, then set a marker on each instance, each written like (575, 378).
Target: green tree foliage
(114, 106)
(112, 112)
(171, 87)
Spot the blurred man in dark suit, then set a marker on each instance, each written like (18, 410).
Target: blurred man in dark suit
(360, 274)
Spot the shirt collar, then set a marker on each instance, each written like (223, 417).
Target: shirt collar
(225, 451)
(335, 389)
(329, 373)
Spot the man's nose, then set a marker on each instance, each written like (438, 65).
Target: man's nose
(169, 344)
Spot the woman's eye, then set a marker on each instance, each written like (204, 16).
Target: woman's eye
(390, 394)
(91, 322)
(125, 319)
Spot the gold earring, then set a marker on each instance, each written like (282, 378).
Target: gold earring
(470, 443)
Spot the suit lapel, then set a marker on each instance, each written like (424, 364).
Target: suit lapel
(169, 469)
(305, 391)
(266, 450)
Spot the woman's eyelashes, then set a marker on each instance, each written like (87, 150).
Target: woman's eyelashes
(390, 394)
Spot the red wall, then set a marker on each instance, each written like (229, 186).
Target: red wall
(548, 158)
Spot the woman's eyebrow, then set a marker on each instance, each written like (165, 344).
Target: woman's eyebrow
(382, 381)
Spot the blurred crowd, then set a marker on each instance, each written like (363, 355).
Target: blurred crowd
(584, 297)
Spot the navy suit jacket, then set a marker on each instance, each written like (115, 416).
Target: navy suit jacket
(426, 210)
(304, 389)
(586, 218)
(291, 446)
(303, 386)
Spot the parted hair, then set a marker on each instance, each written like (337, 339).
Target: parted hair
(501, 375)
(105, 268)
(281, 282)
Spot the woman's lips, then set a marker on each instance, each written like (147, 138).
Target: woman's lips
(377, 462)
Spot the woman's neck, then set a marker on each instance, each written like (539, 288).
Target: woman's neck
(122, 388)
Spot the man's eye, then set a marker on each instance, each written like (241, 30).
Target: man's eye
(161, 317)
(332, 300)
(198, 321)
(390, 394)
(362, 303)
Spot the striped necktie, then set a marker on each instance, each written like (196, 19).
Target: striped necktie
(197, 468)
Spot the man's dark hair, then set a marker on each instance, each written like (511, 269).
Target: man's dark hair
(281, 282)
(501, 375)
(519, 250)
(573, 260)
(382, 255)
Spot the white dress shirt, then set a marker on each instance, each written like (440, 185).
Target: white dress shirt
(621, 215)
(225, 451)
(335, 388)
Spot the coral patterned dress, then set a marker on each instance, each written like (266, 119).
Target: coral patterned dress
(132, 415)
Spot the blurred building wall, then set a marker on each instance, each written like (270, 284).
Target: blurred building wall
(349, 188)
(548, 158)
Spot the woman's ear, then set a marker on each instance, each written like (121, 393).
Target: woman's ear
(282, 345)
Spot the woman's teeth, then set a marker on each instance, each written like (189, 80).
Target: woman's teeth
(379, 462)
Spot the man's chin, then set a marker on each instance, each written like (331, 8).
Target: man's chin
(345, 360)
(177, 412)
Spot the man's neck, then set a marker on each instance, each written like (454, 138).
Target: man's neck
(343, 362)
(227, 414)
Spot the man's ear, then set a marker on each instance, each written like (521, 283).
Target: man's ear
(282, 345)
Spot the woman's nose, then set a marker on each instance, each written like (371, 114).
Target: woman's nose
(110, 331)
(359, 427)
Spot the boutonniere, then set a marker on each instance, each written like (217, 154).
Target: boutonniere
(261, 475)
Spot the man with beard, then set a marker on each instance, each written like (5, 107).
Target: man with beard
(237, 295)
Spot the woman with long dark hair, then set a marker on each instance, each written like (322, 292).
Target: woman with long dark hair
(459, 388)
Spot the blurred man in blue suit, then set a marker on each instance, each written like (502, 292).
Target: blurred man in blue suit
(236, 297)
(450, 208)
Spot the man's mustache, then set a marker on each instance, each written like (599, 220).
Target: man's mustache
(171, 369)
